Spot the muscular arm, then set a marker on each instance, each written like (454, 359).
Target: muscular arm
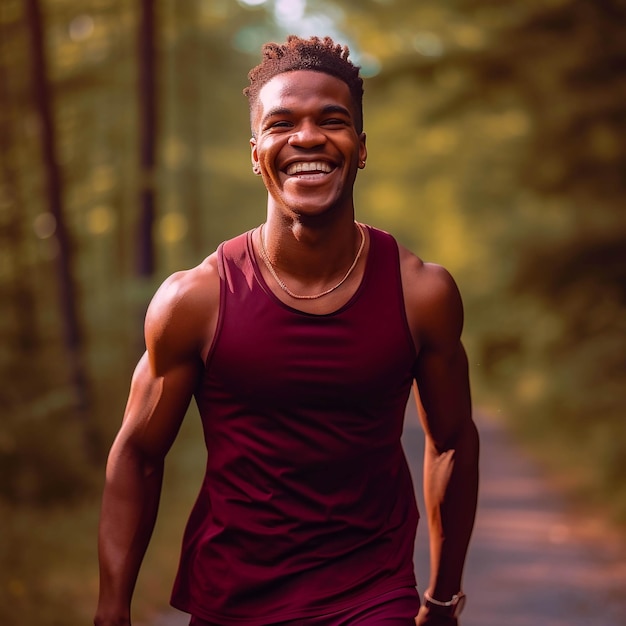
(451, 452)
(161, 389)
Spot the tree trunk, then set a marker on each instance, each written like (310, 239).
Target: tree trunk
(67, 295)
(21, 297)
(146, 260)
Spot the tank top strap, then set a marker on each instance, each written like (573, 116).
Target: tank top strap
(233, 259)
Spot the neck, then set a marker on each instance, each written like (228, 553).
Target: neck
(311, 249)
(308, 269)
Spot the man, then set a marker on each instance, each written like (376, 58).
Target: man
(300, 341)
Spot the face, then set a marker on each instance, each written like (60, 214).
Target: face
(306, 145)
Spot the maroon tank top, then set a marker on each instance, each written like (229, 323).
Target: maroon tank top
(307, 505)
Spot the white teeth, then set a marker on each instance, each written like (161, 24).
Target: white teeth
(304, 166)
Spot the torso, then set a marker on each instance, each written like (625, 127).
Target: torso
(323, 396)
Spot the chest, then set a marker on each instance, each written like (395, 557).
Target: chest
(271, 353)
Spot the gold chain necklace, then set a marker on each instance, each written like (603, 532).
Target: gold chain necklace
(286, 289)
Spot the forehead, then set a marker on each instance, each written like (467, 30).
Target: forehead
(301, 89)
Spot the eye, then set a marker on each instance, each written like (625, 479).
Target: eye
(279, 124)
(334, 121)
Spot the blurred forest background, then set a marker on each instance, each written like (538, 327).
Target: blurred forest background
(497, 147)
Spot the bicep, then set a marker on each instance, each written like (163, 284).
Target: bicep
(156, 406)
(168, 373)
(441, 369)
(443, 394)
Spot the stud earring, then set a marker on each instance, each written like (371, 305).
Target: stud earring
(256, 169)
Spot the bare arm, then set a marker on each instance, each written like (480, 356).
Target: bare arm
(161, 389)
(450, 474)
(451, 453)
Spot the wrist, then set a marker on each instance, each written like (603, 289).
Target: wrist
(110, 615)
(449, 607)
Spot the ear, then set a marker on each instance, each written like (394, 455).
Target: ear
(256, 168)
(362, 151)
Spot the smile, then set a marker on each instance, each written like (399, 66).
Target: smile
(308, 167)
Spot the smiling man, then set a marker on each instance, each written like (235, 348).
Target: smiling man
(301, 341)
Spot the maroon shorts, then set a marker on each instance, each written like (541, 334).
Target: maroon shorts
(394, 608)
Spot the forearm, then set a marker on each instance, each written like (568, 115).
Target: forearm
(450, 493)
(129, 509)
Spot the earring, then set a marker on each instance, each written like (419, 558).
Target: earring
(361, 164)
(256, 169)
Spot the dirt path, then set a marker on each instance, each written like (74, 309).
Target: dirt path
(530, 562)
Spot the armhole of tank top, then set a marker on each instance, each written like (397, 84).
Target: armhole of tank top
(220, 261)
(221, 271)
(400, 292)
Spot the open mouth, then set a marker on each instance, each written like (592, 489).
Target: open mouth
(309, 168)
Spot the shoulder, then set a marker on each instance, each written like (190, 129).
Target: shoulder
(432, 299)
(184, 291)
(184, 310)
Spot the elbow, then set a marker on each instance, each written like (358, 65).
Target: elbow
(463, 442)
(127, 458)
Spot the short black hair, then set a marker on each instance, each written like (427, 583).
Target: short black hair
(319, 55)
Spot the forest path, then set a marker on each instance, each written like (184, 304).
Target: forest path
(531, 561)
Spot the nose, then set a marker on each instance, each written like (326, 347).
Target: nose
(307, 135)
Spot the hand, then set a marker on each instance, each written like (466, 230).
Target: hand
(426, 617)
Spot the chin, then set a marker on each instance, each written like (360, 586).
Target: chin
(312, 206)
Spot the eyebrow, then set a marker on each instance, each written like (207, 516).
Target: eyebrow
(329, 108)
(277, 112)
